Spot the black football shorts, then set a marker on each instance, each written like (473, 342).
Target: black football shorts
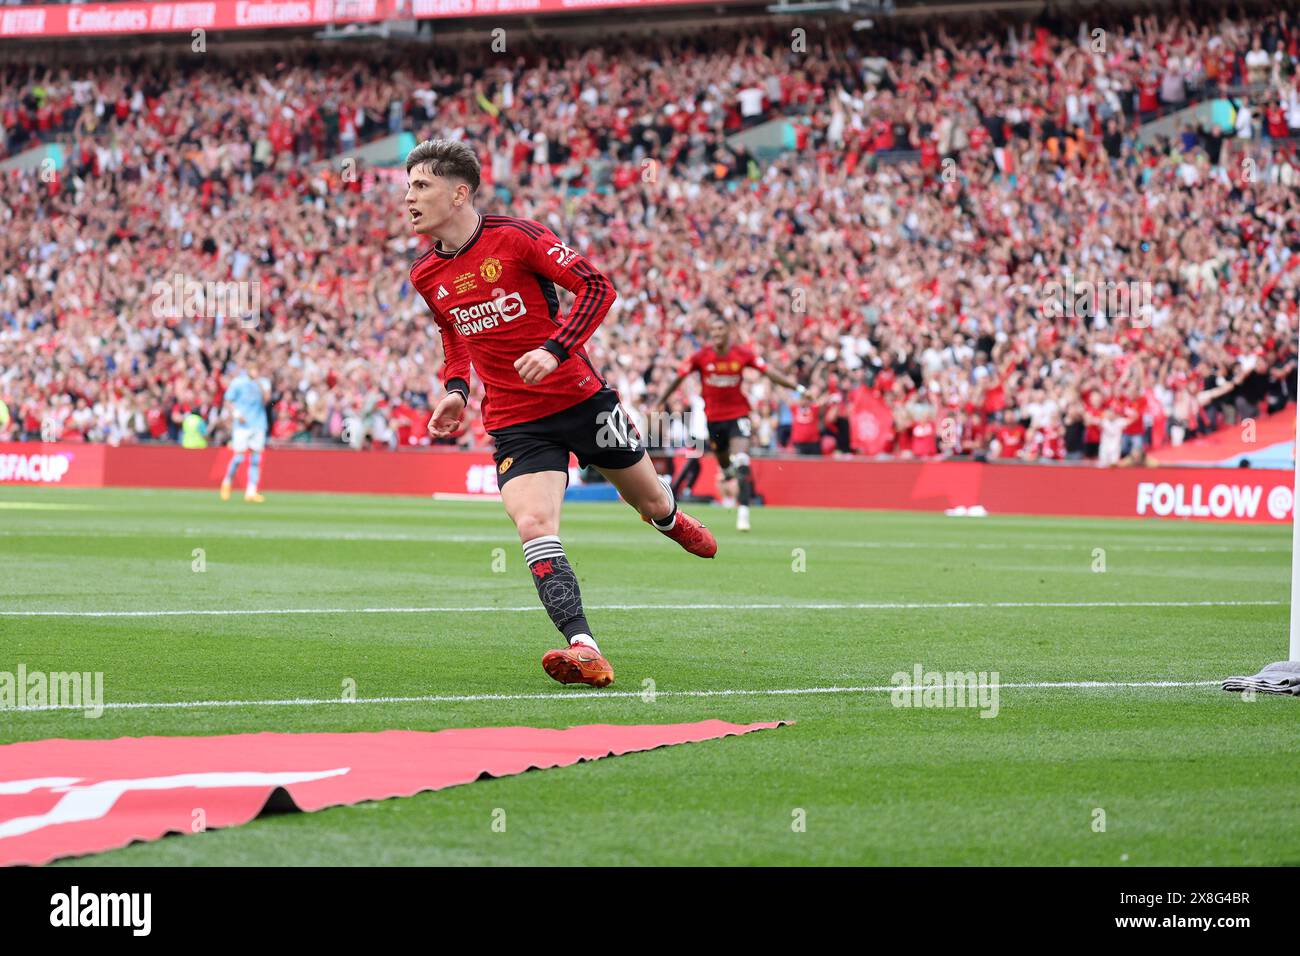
(721, 433)
(597, 430)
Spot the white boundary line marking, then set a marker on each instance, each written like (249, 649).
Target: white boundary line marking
(623, 694)
(533, 608)
(760, 541)
(584, 695)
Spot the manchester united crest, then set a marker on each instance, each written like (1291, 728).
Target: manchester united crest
(490, 270)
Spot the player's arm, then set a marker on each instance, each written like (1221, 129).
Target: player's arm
(676, 384)
(784, 381)
(455, 379)
(228, 400)
(755, 361)
(543, 252)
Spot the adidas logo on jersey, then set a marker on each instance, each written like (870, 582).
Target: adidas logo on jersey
(442, 292)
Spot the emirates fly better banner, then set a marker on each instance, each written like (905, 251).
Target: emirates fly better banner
(100, 19)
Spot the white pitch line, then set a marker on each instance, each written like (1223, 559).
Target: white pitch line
(580, 695)
(533, 608)
(759, 541)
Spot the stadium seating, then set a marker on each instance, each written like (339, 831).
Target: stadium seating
(917, 255)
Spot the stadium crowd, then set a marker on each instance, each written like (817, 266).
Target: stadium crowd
(923, 256)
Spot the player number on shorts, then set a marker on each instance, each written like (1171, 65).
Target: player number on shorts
(616, 430)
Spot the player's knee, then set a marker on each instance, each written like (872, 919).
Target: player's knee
(740, 460)
(534, 524)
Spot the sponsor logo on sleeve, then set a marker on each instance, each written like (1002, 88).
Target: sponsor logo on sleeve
(562, 254)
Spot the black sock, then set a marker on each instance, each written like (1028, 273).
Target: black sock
(667, 521)
(557, 585)
(690, 472)
(746, 480)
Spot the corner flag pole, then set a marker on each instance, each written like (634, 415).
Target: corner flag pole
(1295, 551)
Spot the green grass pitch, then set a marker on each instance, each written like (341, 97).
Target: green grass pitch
(1184, 775)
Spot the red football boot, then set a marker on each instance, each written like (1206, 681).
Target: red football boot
(578, 664)
(690, 534)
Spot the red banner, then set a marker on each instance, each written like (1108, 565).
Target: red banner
(99, 19)
(1210, 494)
(30, 463)
(70, 797)
(871, 423)
(294, 469)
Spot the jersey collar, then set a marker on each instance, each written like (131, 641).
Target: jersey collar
(478, 231)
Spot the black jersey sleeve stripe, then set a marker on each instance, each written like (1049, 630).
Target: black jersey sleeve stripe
(573, 331)
(529, 228)
(586, 271)
(526, 224)
(578, 320)
(570, 337)
(600, 287)
(513, 225)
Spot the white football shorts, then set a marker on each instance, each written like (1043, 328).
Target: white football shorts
(243, 438)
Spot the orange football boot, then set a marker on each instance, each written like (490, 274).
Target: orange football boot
(578, 664)
(690, 534)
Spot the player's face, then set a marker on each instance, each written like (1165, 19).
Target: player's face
(430, 200)
(720, 335)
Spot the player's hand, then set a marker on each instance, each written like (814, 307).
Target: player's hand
(536, 365)
(446, 416)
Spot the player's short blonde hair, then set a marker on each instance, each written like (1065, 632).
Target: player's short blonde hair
(446, 157)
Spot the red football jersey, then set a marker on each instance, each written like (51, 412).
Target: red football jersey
(1011, 438)
(924, 440)
(495, 299)
(806, 423)
(720, 380)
